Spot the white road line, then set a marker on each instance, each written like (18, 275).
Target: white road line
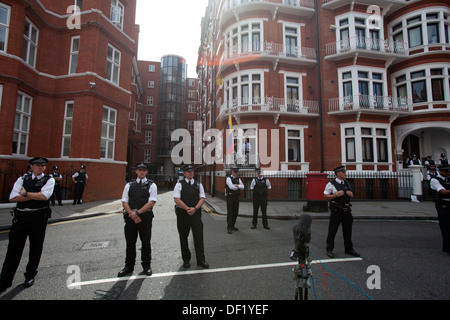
(191, 272)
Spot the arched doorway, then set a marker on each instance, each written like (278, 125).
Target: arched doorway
(410, 146)
(422, 138)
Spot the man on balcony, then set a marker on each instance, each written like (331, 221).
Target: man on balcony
(247, 147)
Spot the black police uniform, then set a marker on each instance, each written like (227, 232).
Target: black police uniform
(79, 187)
(341, 213)
(138, 195)
(57, 189)
(190, 195)
(232, 197)
(260, 193)
(443, 160)
(442, 203)
(30, 220)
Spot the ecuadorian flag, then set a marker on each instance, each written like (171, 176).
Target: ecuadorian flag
(229, 136)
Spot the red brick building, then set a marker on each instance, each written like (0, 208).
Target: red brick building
(68, 89)
(360, 83)
(146, 150)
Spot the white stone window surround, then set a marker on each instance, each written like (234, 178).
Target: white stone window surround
(358, 136)
(422, 13)
(428, 77)
(352, 25)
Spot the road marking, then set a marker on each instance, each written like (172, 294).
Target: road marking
(208, 210)
(203, 271)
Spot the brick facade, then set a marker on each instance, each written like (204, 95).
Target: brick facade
(149, 73)
(354, 91)
(48, 85)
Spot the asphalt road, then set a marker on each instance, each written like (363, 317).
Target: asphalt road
(82, 258)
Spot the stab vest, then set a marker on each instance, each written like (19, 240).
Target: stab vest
(56, 175)
(138, 194)
(446, 184)
(260, 188)
(345, 199)
(32, 185)
(190, 194)
(234, 180)
(81, 177)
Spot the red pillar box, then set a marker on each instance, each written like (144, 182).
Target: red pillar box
(315, 185)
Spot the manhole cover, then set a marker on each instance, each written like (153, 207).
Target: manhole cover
(95, 245)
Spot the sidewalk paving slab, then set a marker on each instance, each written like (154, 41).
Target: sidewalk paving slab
(377, 209)
(399, 209)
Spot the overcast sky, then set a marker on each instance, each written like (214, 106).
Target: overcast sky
(170, 27)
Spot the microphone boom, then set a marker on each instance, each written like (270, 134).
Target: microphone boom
(302, 271)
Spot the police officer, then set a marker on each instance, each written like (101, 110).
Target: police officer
(430, 164)
(29, 170)
(80, 179)
(260, 187)
(57, 190)
(32, 193)
(415, 160)
(189, 197)
(233, 187)
(443, 159)
(441, 184)
(138, 199)
(339, 193)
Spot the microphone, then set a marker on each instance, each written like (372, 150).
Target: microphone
(302, 231)
(302, 236)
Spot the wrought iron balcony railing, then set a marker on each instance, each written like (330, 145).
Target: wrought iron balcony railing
(371, 45)
(269, 105)
(229, 4)
(362, 102)
(270, 49)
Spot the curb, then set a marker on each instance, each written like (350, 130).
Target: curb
(65, 219)
(325, 216)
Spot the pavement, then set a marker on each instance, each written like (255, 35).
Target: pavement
(67, 211)
(377, 209)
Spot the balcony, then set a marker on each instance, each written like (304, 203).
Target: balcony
(366, 47)
(392, 5)
(273, 52)
(360, 103)
(269, 106)
(233, 9)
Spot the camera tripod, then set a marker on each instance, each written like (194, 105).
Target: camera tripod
(302, 273)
